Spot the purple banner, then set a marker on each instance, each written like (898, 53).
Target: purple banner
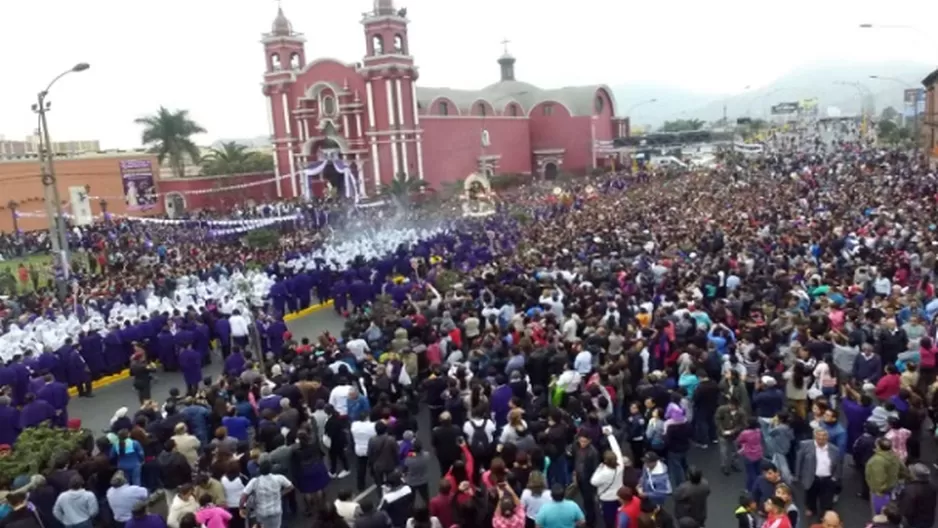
(139, 184)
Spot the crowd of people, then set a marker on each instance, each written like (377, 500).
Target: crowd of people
(570, 351)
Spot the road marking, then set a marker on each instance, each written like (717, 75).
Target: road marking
(365, 493)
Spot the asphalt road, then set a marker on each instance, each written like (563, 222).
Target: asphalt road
(96, 414)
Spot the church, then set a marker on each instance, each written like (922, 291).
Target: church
(359, 125)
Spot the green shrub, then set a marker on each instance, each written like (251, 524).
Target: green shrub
(262, 239)
(445, 280)
(35, 449)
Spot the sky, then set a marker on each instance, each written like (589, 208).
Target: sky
(204, 56)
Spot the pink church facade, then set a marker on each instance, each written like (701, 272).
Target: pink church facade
(377, 120)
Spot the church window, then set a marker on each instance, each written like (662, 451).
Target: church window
(275, 62)
(513, 110)
(399, 45)
(481, 109)
(444, 108)
(600, 104)
(377, 45)
(328, 105)
(294, 61)
(548, 109)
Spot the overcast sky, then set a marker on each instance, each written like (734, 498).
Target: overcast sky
(204, 55)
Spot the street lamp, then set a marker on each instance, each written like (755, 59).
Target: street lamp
(628, 112)
(57, 232)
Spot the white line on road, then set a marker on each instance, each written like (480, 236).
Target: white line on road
(365, 493)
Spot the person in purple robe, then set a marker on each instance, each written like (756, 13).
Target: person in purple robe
(166, 350)
(114, 352)
(35, 412)
(10, 418)
(234, 363)
(29, 359)
(55, 393)
(91, 348)
(856, 413)
(201, 341)
(275, 332)
(50, 361)
(190, 362)
(223, 332)
(20, 380)
(77, 373)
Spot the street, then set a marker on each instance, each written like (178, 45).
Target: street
(96, 413)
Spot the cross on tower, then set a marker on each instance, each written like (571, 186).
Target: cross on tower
(505, 43)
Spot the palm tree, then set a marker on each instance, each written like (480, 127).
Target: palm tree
(169, 133)
(231, 158)
(401, 186)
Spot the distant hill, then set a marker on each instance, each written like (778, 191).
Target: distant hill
(671, 102)
(820, 80)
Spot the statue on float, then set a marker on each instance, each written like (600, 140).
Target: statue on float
(478, 198)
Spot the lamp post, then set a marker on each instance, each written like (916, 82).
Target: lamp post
(13, 206)
(57, 232)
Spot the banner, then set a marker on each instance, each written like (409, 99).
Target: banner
(81, 205)
(139, 185)
(785, 108)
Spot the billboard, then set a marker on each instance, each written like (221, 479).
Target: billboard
(913, 100)
(138, 182)
(785, 108)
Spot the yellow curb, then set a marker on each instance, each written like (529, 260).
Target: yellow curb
(307, 311)
(103, 382)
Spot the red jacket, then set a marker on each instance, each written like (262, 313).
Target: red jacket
(927, 356)
(633, 509)
(887, 387)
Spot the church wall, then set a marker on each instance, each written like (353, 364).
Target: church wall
(225, 199)
(452, 146)
(561, 131)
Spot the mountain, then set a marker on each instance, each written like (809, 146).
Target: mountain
(823, 80)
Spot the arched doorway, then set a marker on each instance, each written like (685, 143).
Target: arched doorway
(551, 171)
(175, 204)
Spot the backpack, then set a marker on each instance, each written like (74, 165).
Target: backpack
(479, 443)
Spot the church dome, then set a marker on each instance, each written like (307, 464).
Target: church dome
(281, 26)
(384, 7)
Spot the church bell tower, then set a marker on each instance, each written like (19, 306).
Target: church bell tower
(395, 139)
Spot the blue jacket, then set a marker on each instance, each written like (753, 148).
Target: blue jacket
(837, 435)
(358, 406)
(656, 484)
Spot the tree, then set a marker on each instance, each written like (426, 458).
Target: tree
(889, 114)
(888, 131)
(401, 187)
(235, 158)
(682, 125)
(169, 135)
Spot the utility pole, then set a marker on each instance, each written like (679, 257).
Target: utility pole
(57, 231)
